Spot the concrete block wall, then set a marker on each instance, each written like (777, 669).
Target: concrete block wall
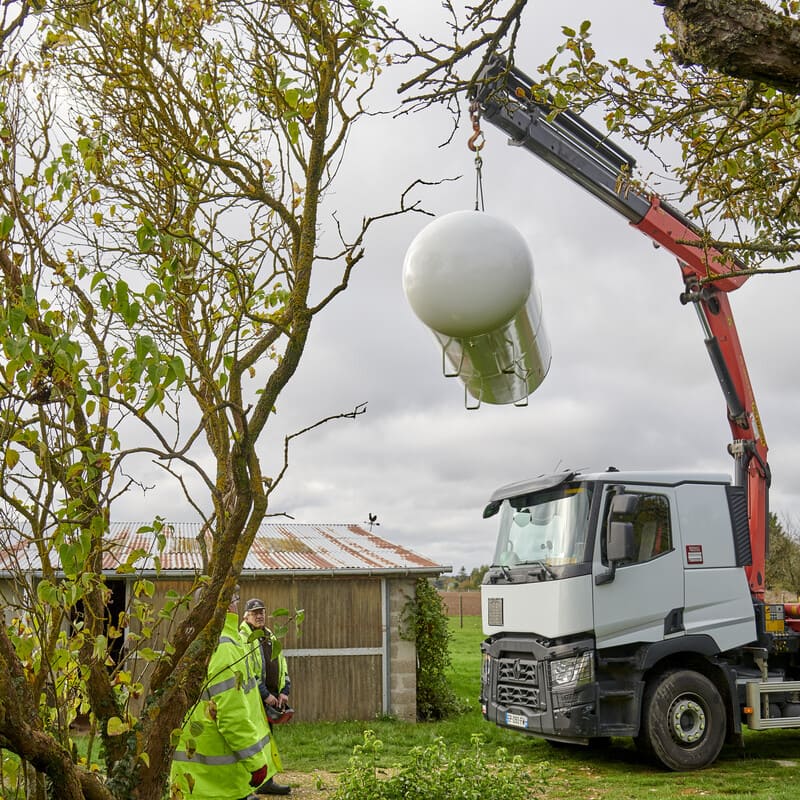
(402, 654)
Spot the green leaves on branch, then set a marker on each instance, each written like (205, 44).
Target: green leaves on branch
(728, 146)
(116, 727)
(73, 554)
(6, 226)
(162, 374)
(41, 365)
(68, 175)
(146, 236)
(291, 102)
(144, 367)
(117, 298)
(157, 370)
(47, 593)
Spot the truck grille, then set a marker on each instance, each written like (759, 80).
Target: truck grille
(516, 670)
(518, 696)
(518, 683)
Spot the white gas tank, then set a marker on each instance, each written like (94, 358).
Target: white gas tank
(469, 277)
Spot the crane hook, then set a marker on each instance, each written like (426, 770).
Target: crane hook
(475, 144)
(476, 141)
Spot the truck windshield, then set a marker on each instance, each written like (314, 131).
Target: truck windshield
(549, 527)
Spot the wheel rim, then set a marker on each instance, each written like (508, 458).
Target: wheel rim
(687, 720)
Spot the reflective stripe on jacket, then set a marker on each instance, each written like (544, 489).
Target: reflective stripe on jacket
(225, 737)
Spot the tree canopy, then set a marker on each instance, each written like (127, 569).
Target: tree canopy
(164, 168)
(716, 108)
(163, 172)
(783, 561)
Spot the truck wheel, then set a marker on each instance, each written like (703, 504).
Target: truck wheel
(683, 721)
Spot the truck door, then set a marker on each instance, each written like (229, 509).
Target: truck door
(644, 601)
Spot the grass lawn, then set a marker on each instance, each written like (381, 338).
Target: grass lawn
(767, 769)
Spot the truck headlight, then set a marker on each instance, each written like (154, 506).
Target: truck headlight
(572, 672)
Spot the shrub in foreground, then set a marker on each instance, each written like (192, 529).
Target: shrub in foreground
(440, 772)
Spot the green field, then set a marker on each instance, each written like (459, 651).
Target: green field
(768, 768)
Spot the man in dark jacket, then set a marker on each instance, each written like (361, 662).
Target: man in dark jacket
(274, 683)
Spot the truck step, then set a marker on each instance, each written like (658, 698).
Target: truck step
(618, 730)
(608, 660)
(605, 693)
(756, 692)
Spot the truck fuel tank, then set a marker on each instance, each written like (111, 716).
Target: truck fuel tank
(469, 277)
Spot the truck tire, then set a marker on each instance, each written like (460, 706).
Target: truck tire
(683, 721)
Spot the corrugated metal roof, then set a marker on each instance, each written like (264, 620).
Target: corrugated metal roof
(278, 547)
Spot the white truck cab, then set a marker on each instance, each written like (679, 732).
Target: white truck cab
(617, 605)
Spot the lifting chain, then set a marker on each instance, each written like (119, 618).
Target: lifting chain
(475, 143)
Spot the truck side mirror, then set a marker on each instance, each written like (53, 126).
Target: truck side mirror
(619, 547)
(626, 504)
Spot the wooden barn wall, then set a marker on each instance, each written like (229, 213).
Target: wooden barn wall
(339, 612)
(336, 687)
(336, 661)
(337, 667)
(340, 615)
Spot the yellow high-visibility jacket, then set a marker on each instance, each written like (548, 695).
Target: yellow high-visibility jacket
(225, 737)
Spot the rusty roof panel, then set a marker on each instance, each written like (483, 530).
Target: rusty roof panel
(294, 547)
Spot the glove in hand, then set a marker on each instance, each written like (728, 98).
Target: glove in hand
(259, 776)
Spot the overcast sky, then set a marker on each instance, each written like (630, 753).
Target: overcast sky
(630, 383)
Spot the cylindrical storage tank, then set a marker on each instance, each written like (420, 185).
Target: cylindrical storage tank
(469, 277)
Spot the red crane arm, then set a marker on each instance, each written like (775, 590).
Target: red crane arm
(576, 149)
(749, 446)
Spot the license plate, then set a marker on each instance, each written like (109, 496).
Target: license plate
(517, 720)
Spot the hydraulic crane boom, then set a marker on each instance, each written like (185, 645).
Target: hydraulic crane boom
(575, 148)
